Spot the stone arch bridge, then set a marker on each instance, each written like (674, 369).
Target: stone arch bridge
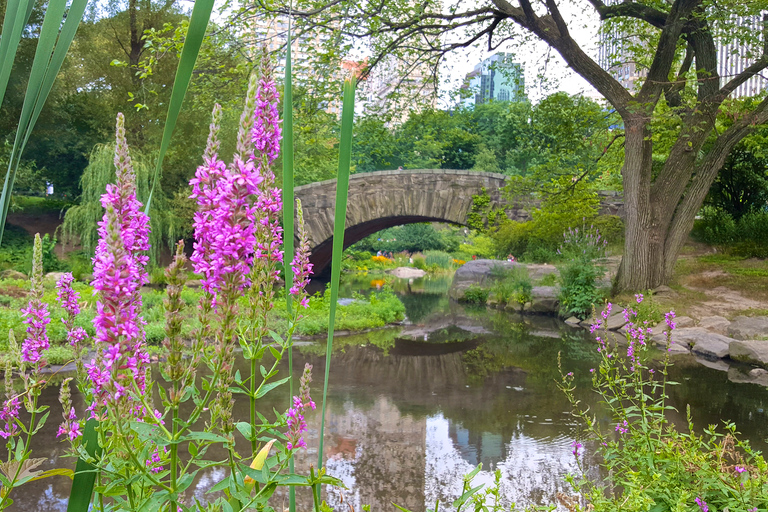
(379, 200)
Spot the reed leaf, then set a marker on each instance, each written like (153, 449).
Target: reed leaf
(198, 23)
(85, 473)
(53, 45)
(16, 17)
(288, 223)
(340, 216)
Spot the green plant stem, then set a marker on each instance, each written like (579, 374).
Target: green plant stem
(252, 399)
(33, 415)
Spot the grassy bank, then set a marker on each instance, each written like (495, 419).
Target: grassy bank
(364, 312)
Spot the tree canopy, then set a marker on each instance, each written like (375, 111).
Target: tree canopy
(674, 45)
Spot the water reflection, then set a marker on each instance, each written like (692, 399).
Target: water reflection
(412, 409)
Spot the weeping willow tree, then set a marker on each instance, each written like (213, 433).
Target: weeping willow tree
(82, 220)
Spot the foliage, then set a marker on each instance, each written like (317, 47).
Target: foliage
(479, 245)
(650, 464)
(81, 221)
(475, 294)
(538, 239)
(741, 186)
(419, 261)
(481, 216)
(747, 237)
(409, 237)
(511, 285)
(582, 249)
(611, 227)
(438, 259)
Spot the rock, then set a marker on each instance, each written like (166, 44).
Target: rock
(537, 272)
(193, 283)
(676, 349)
(544, 300)
(717, 364)
(664, 291)
(572, 321)
(700, 341)
(12, 274)
(477, 272)
(682, 322)
(616, 321)
(755, 376)
(347, 302)
(53, 276)
(750, 351)
(87, 278)
(716, 324)
(408, 272)
(748, 327)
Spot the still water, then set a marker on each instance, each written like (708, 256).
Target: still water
(414, 408)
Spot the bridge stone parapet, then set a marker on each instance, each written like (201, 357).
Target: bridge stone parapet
(379, 200)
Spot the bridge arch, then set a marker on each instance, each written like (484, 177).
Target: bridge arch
(378, 200)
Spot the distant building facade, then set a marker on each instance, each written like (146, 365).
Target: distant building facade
(396, 86)
(614, 57)
(497, 78)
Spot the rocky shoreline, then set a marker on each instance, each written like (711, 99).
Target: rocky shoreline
(714, 341)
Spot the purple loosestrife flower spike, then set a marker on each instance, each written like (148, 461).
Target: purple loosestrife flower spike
(301, 266)
(297, 425)
(119, 272)
(36, 314)
(11, 406)
(702, 504)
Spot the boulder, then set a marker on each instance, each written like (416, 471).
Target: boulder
(748, 327)
(408, 272)
(682, 322)
(750, 351)
(616, 321)
(572, 321)
(716, 324)
(475, 272)
(53, 276)
(676, 349)
(757, 376)
(12, 274)
(664, 291)
(700, 341)
(716, 364)
(544, 300)
(537, 272)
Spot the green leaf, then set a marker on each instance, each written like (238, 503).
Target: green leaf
(204, 436)
(339, 224)
(85, 473)
(45, 68)
(269, 387)
(198, 23)
(464, 497)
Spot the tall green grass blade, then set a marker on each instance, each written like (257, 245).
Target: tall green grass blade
(16, 16)
(198, 23)
(45, 68)
(340, 216)
(288, 224)
(85, 474)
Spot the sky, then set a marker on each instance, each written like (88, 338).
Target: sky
(583, 23)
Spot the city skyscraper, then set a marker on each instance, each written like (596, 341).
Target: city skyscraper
(496, 78)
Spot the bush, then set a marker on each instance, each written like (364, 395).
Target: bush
(539, 254)
(511, 284)
(419, 261)
(610, 226)
(438, 259)
(475, 294)
(747, 237)
(578, 289)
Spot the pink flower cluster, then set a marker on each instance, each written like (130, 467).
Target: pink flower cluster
(119, 272)
(68, 299)
(301, 266)
(8, 415)
(71, 426)
(36, 317)
(297, 425)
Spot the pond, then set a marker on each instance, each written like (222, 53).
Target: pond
(413, 408)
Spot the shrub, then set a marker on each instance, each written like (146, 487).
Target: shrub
(438, 259)
(578, 291)
(716, 227)
(475, 294)
(511, 284)
(419, 261)
(648, 464)
(747, 237)
(539, 254)
(610, 226)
